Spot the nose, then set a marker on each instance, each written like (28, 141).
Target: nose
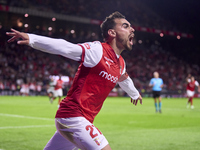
(132, 30)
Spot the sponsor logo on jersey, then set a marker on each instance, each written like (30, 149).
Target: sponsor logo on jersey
(108, 76)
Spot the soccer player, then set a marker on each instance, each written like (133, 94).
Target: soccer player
(58, 92)
(24, 89)
(101, 68)
(51, 89)
(191, 84)
(157, 84)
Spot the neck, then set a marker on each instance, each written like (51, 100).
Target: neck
(116, 48)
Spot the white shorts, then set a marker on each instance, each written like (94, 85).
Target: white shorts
(58, 92)
(76, 133)
(190, 93)
(51, 89)
(24, 90)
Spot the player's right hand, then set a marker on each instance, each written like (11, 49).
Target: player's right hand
(24, 38)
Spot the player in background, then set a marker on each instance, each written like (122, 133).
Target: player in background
(101, 68)
(157, 84)
(32, 87)
(191, 84)
(50, 89)
(24, 88)
(58, 91)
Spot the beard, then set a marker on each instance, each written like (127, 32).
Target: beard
(124, 43)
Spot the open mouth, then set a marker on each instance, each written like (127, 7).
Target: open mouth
(131, 39)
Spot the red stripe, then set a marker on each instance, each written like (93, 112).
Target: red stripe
(83, 53)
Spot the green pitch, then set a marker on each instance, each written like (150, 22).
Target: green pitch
(27, 123)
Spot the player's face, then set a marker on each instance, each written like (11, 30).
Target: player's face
(192, 78)
(124, 34)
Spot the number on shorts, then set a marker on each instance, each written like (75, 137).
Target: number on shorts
(91, 128)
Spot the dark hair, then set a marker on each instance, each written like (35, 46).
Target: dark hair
(109, 23)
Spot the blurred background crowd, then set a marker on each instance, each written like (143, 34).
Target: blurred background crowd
(174, 58)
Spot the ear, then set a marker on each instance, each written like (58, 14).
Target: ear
(111, 33)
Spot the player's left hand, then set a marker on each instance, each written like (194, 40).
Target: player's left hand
(136, 100)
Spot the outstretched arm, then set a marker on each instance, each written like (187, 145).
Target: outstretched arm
(18, 35)
(46, 44)
(127, 85)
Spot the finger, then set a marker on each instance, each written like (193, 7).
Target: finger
(133, 101)
(22, 42)
(15, 31)
(141, 101)
(136, 102)
(10, 33)
(12, 39)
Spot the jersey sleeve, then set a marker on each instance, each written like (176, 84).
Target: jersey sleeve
(151, 82)
(56, 46)
(93, 53)
(128, 86)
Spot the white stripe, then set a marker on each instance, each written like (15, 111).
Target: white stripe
(27, 117)
(20, 127)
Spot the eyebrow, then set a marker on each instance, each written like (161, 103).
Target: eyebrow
(126, 24)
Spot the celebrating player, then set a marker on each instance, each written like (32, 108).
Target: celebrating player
(101, 67)
(191, 83)
(156, 83)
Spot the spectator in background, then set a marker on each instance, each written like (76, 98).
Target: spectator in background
(156, 83)
(191, 84)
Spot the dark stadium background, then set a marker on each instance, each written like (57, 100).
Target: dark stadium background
(173, 58)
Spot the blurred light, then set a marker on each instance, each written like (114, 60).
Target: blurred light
(0, 26)
(37, 27)
(25, 25)
(19, 23)
(93, 34)
(161, 34)
(26, 15)
(178, 37)
(53, 19)
(140, 41)
(72, 31)
(50, 28)
(61, 30)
